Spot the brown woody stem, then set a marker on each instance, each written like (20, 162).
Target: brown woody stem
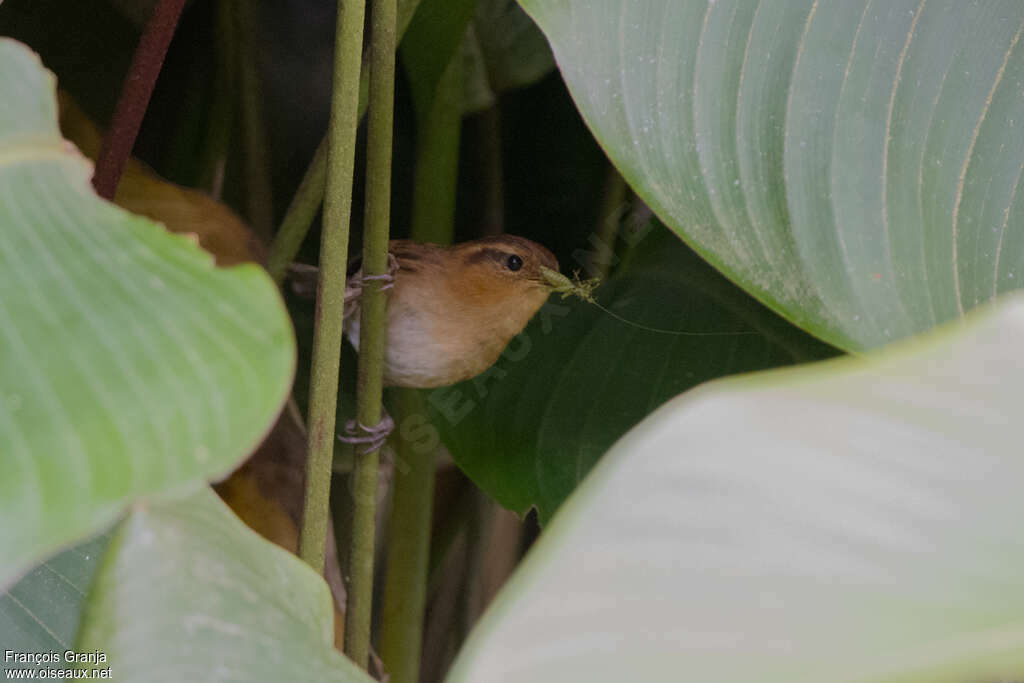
(135, 93)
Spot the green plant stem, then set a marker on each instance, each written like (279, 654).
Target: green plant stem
(437, 160)
(310, 193)
(323, 389)
(613, 200)
(299, 216)
(372, 329)
(222, 112)
(258, 192)
(408, 553)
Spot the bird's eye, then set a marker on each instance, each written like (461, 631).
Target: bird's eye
(514, 262)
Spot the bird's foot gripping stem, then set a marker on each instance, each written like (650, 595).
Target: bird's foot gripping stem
(387, 278)
(374, 437)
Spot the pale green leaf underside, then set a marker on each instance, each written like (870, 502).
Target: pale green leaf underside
(129, 364)
(853, 164)
(187, 592)
(852, 520)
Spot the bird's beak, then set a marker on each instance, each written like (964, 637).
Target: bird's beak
(560, 284)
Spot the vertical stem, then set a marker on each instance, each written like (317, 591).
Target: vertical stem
(504, 548)
(307, 198)
(437, 160)
(412, 500)
(310, 193)
(405, 586)
(613, 201)
(471, 596)
(135, 93)
(330, 304)
(302, 210)
(222, 112)
(258, 192)
(372, 329)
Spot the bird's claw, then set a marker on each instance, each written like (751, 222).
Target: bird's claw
(387, 278)
(375, 436)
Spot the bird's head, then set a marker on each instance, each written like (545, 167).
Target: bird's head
(505, 262)
(503, 272)
(464, 303)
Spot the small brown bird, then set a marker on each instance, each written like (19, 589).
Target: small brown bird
(451, 311)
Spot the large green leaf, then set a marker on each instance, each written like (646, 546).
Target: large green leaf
(130, 364)
(40, 612)
(853, 520)
(186, 592)
(853, 164)
(530, 428)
